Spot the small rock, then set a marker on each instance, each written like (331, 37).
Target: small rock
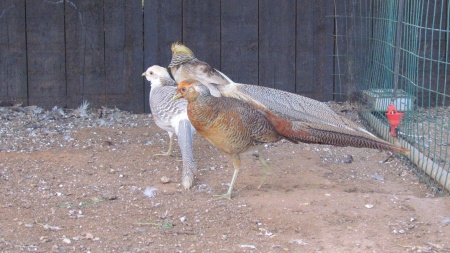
(298, 241)
(44, 239)
(55, 248)
(378, 178)
(67, 241)
(109, 196)
(369, 206)
(51, 228)
(165, 180)
(183, 219)
(248, 246)
(347, 159)
(89, 236)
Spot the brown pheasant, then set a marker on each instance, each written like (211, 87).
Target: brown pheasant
(236, 127)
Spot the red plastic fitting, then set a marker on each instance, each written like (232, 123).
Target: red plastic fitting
(394, 119)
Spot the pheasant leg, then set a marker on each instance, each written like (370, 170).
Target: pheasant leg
(237, 166)
(265, 167)
(169, 151)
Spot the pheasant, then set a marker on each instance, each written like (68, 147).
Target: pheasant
(171, 115)
(184, 65)
(236, 127)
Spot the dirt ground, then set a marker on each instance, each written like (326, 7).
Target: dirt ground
(83, 191)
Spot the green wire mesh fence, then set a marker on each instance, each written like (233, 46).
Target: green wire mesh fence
(397, 52)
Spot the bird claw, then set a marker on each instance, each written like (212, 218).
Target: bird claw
(263, 180)
(223, 196)
(266, 171)
(165, 154)
(187, 182)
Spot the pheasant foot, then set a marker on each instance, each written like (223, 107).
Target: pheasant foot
(169, 150)
(223, 196)
(188, 180)
(266, 169)
(237, 164)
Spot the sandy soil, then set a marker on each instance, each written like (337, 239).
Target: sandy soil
(84, 192)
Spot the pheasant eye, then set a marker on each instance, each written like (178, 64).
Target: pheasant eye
(151, 72)
(183, 89)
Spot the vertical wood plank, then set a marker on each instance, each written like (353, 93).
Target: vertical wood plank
(85, 53)
(314, 66)
(134, 57)
(123, 55)
(114, 27)
(239, 40)
(201, 29)
(46, 53)
(277, 44)
(306, 42)
(13, 65)
(162, 27)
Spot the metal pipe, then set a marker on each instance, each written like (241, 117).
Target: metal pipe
(398, 41)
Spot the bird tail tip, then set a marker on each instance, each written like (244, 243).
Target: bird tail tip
(401, 150)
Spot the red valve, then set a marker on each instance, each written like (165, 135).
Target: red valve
(394, 118)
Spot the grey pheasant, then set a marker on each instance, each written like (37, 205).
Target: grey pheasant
(236, 127)
(184, 65)
(171, 115)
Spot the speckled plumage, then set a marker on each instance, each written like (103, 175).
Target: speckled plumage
(171, 115)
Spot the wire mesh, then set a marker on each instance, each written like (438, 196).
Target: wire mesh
(366, 42)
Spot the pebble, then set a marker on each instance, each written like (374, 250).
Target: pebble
(44, 239)
(369, 206)
(165, 180)
(89, 236)
(347, 159)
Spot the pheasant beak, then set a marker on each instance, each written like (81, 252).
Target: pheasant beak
(143, 74)
(177, 96)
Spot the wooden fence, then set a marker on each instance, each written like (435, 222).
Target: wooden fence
(61, 52)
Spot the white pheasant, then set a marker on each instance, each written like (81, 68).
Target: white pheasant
(171, 115)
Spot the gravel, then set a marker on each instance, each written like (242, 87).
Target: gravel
(31, 128)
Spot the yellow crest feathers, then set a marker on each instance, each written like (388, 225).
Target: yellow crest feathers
(178, 47)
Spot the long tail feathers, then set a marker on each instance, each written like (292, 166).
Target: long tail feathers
(297, 131)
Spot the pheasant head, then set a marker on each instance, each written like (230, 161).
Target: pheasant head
(179, 48)
(180, 54)
(158, 76)
(191, 90)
